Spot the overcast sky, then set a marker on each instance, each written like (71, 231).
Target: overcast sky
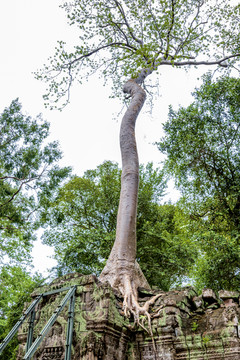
(86, 129)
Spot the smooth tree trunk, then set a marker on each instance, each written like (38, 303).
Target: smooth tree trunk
(121, 269)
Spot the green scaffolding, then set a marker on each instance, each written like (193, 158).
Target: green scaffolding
(31, 346)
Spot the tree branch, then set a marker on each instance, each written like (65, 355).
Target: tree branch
(155, 23)
(12, 177)
(23, 183)
(170, 29)
(120, 8)
(193, 38)
(189, 62)
(15, 194)
(120, 44)
(9, 140)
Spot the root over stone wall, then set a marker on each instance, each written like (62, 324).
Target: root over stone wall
(185, 326)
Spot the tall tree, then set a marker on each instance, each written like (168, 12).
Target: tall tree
(127, 41)
(28, 175)
(202, 143)
(81, 226)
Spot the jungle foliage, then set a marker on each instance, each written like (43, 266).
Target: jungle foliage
(29, 174)
(81, 222)
(16, 286)
(202, 144)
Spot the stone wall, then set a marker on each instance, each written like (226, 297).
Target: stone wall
(185, 326)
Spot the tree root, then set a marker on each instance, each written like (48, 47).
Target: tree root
(127, 277)
(131, 307)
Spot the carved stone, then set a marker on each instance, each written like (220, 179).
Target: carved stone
(185, 326)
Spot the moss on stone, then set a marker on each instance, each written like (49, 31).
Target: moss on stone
(162, 321)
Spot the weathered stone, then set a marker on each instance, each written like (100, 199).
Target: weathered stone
(224, 295)
(182, 328)
(198, 301)
(209, 296)
(229, 302)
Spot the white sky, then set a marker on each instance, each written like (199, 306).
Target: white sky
(87, 133)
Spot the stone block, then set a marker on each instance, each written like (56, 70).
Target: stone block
(209, 296)
(224, 295)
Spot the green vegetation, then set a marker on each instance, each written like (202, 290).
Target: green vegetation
(124, 40)
(202, 144)
(16, 285)
(29, 175)
(81, 223)
(194, 326)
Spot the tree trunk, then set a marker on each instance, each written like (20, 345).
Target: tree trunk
(121, 270)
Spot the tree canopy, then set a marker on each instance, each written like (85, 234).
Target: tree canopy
(202, 144)
(82, 217)
(29, 174)
(126, 39)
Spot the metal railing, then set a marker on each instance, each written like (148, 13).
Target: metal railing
(31, 346)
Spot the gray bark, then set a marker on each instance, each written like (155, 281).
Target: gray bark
(121, 269)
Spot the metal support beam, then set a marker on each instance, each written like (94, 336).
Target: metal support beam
(70, 328)
(19, 323)
(49, 324)
(30, 330)
(52, 292)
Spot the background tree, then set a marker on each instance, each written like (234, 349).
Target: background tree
(81, 226)
(217, 266)
(16, 285)
(28, 176)
(166, 249)
(202, 143)
(135, 39)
